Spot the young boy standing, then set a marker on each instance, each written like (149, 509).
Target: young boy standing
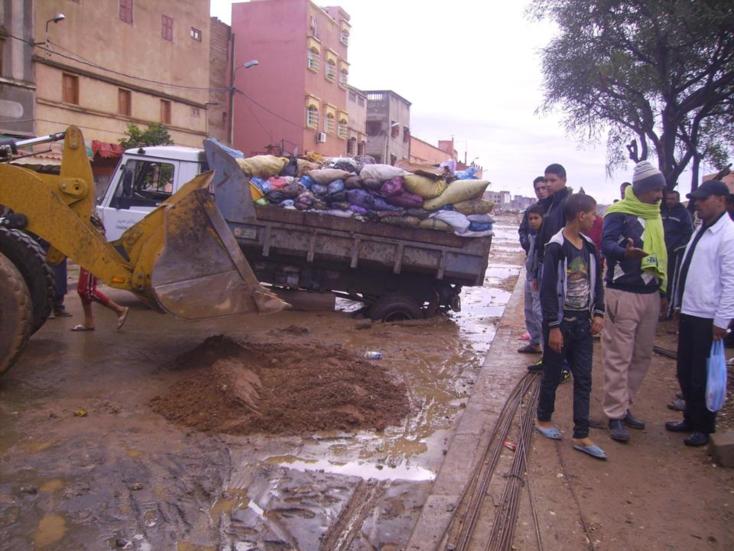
(572, 302)
(533, 316)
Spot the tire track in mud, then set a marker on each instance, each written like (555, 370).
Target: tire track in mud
(348, 524)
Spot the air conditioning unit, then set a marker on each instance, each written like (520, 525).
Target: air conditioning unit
(321, 137)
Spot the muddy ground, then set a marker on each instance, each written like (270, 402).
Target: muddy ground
(127, 440)
(652, 494)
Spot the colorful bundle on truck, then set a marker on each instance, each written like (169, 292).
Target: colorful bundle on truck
(356, 188)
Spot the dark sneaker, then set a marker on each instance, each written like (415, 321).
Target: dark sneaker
(633, 422)
(696, 439)
(537, 367)
(618, 432)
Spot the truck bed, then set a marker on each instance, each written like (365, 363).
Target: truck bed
(309, 238)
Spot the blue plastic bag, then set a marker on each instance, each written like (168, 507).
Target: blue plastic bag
(716, 377)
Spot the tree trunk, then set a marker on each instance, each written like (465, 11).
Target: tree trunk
(694, 172)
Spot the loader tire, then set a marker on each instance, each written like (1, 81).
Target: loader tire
(30, 260)
(15, 314)
(395, 307)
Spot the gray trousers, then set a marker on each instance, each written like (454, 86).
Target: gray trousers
(533, 314)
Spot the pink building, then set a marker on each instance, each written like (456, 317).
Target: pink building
(296, 97)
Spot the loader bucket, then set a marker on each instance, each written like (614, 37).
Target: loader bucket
(201, 271)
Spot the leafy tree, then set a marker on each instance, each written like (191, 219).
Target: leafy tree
(656, 75)
(155, 134)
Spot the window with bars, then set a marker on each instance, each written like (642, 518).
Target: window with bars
(124, 102)
(330, 124)
(195, 34)
(165, 111)
(2, 50)
(330, 71)
(167, 28)
(70, 88)
(343, 78)
(312, 117)
(344, 37)
(351, 146)
(342, 130)
(313, 60)
(126, 11)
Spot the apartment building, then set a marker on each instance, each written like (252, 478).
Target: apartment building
(17, 86)
(113, 62)
(388, 126)
(357, 111)
(295, 97)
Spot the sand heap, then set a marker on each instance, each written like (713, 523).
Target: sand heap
(240, 388)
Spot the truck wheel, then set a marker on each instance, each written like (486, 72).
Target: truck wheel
(30, 260)
(15, 314)
(395, 308)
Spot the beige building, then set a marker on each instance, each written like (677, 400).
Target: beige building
(221, 41)
(114, 62)
(357, 129)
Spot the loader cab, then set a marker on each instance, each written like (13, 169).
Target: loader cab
(143, 179)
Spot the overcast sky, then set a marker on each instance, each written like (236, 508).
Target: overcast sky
(471, 70)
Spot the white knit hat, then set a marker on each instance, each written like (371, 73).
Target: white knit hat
(646, 177)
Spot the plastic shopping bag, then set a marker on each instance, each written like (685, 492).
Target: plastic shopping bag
(716, 377)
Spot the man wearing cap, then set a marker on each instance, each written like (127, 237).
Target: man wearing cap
(706, 295)
(633, 243)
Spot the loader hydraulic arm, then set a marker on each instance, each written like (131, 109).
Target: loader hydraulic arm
(58, 209)
(181, 258)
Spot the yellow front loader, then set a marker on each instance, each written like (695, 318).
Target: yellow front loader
(181, 258)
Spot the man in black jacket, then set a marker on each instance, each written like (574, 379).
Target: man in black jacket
(678, 227)
(553, 221)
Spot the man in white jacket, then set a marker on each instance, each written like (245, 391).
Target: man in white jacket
(706, 295)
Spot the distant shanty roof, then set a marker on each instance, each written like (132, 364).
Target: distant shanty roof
(389, 92)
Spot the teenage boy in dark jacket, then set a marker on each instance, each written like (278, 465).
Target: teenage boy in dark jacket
(524, 230)
(553, 220)
(572, 301)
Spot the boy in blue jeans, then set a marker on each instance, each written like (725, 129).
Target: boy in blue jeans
(572, 302)
(533, 314)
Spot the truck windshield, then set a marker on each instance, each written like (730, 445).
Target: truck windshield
(143, 184)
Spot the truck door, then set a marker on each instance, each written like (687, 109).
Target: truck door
(138, 187)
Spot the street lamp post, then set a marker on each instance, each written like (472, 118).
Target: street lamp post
(232, 90)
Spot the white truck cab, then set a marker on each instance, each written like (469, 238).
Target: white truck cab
(145, 177)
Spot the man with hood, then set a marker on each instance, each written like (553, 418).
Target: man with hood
(637, 260)
(678, 227)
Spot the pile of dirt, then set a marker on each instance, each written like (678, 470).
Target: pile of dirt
(240, 388)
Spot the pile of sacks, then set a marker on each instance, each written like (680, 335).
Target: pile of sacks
(356, 188)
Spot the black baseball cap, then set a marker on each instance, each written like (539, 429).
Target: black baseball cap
(707, 189)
